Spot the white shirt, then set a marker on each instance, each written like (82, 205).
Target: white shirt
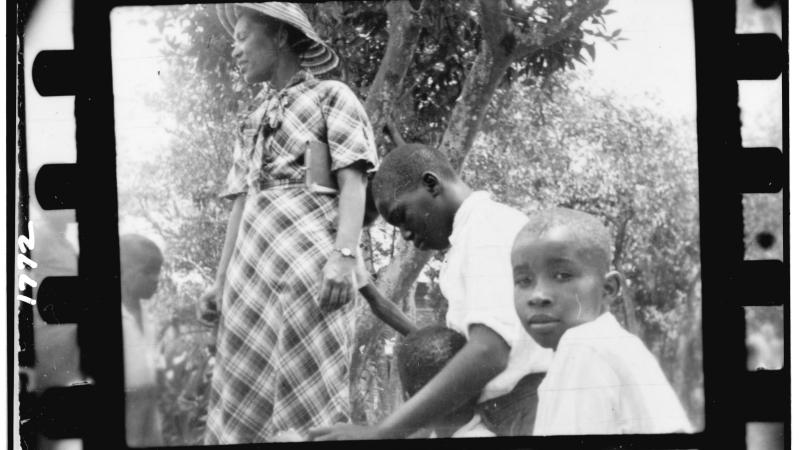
(476, 279)
(140, 354)
(603, 380)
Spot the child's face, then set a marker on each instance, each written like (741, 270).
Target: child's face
(557, 284)
(142, 278)
(421, 217)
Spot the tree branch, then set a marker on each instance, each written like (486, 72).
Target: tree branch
(496, 55)
(397, 138)
(404, 30)
(531, 42)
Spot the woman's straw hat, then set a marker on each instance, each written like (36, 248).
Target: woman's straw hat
(318, 59)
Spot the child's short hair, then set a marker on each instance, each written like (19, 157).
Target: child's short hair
(425, 352)
(137, 248)
(594, 238)
(401, 170)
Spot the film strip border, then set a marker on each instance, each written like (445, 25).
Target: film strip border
(734, 396)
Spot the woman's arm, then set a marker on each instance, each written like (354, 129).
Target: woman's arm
(230, 237)
(208, 308)
(483, 357)
(338, 283)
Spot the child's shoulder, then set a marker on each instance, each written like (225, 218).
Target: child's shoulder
(605, 338)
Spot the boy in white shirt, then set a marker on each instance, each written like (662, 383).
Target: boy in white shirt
(140, 266)
(417, 190)
(602, 380)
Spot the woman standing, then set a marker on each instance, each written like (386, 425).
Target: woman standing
(286, 274)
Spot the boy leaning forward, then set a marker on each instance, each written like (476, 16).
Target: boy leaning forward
(417, 190)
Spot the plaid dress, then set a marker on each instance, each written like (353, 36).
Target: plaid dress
(282, 363)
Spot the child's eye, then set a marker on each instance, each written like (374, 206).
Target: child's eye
(522, 281)
(563, 276)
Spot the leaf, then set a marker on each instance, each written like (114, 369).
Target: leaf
(616, 33)
(590, 49)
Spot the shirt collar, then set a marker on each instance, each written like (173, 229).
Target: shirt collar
(605, 324)
(465, 211)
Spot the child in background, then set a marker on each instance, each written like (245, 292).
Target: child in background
(423, 354)
(140, 265)
(417, 190)
(602, 380)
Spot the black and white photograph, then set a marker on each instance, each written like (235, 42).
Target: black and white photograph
(403, 219)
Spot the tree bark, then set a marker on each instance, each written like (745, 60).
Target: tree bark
(404, 30)
(496, 55)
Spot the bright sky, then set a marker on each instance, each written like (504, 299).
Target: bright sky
(658, 58)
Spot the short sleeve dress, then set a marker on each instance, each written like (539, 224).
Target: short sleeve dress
(282, 363)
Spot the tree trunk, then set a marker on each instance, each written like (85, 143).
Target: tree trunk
(468, 114)
(404, 32)
(396, 282)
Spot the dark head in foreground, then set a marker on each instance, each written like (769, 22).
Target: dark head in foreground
(562, 273)
(423, 354)
(417, 190)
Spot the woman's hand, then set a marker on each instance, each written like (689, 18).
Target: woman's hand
(338, 282)
(208, 305)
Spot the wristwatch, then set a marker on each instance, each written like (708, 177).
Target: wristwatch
(346, 252)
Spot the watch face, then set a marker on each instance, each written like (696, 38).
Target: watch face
(346, 252)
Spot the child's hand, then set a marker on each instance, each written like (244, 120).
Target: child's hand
(344, 432)
(208, 305)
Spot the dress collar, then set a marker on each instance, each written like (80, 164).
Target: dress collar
(277, 101)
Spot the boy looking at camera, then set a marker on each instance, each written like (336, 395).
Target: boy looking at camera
(418, 191)
(602, 379)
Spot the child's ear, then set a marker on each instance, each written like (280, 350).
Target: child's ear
(612, 285)
(432, 183)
